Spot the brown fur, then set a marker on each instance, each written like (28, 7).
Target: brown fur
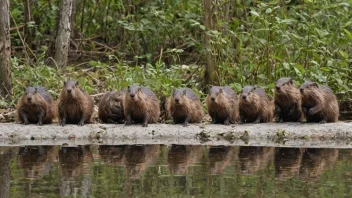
(256, 107)
(287, 101)
(41, 109)
(319, 103)
(75, 107)
(222, 103)
(111, 107)
(143, 108)
(188, 109)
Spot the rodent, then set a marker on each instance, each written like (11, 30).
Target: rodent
(36, 106)
(222, 103)
(255, 106)
(111, 107)
(288, 101)
(185, 107)
(141, 106)
(319, 103)
(75, 105)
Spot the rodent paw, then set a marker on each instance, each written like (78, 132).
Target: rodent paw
(227, 122)
(312, 111)
(80, 123)
(128, 123)
(62, 123)
(25, 122)
(39, 123)
(185, 124)
(256, 122)
(145, 125)
(322, 122)
(241, 122)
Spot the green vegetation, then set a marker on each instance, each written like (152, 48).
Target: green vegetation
(160, 44)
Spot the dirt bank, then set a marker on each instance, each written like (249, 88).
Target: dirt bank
(271, 134)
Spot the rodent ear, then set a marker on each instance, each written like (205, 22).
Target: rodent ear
(24, 89)
(139, 88)
(254, 87)
(290, 81)
(76, 83)
(220, 91)
(64, 83)
(316, 85)
(35, 90)
(184, 92)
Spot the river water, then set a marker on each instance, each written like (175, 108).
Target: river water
(174, 171)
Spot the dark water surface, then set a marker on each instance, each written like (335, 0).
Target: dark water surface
(174, 171)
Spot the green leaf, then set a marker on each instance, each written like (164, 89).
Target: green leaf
(349, 35)
(254, 13)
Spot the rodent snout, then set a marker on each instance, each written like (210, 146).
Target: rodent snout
(244, 97)
(69, 90)
(177, 100)
(29, 99)
(301, 89)
(212, 99)
(132, 95)
(277, 88)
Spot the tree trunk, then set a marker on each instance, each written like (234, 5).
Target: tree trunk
(73, 19)
(64, 32)
(28, 17)
(5, 50)
(210, 75)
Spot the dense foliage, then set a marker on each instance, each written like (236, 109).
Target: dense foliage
(161, 44)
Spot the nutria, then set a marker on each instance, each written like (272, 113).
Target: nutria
(185, 107)
(287, 101)
(75, 105)
(141, 106)
(36, 106)
(111, 107)
(222, 103)
(319, 103)
(255, 106)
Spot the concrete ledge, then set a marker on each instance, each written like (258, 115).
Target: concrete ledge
(338, 135)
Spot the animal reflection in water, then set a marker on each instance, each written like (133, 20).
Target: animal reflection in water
(75, 162)
(113, 155)
(253, 159)
(139, 157)
(317, 160)
(181, 157)
(287, 162)
(220, 157)
(36, 161)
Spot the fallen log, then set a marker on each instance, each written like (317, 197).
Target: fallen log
(337, 135)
